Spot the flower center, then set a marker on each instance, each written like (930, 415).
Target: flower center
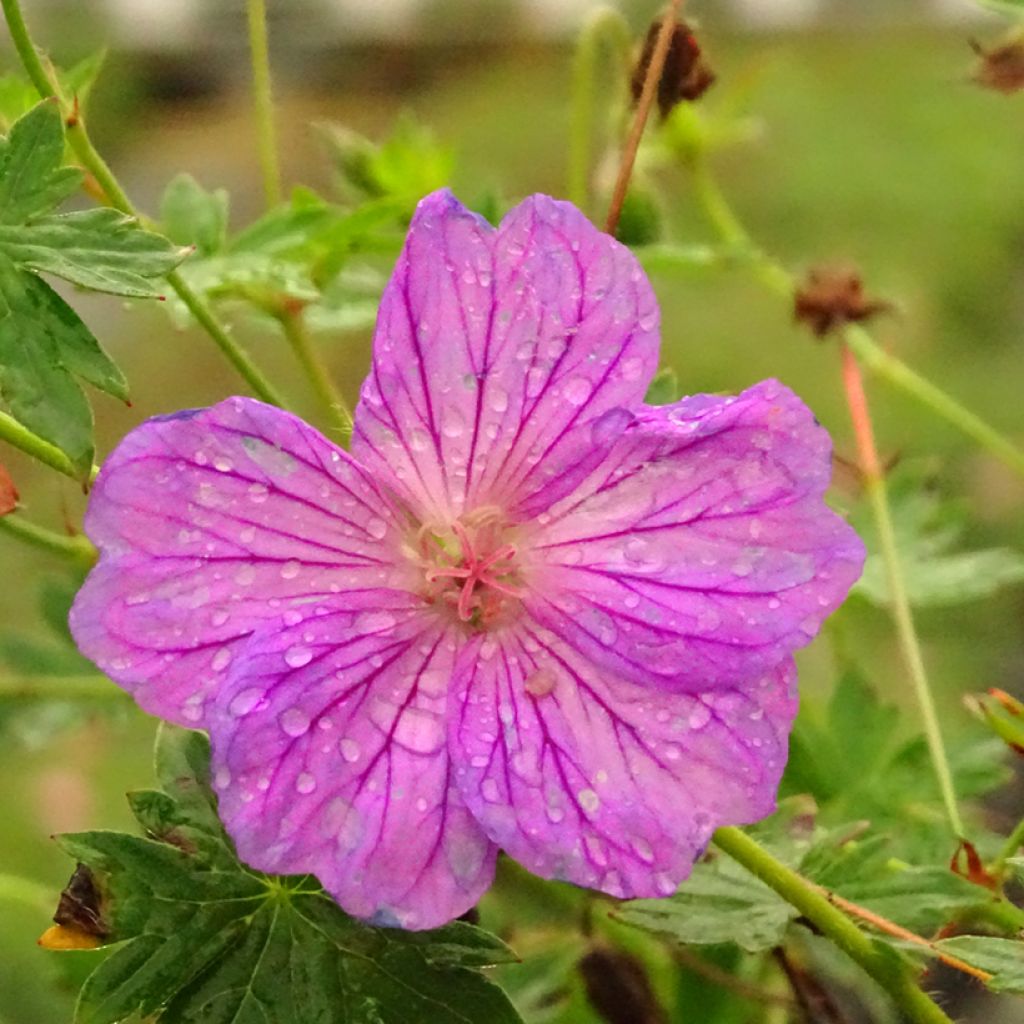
(469, 566)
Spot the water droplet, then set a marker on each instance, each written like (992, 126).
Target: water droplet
(632, 368)
(290, 569)
(643, 850)
(420, 731)
(245, 701)
(305, 783)
(700, 716)
(221, 778)
(489, 789)
(221, 659)
(374, 622)
(349, 750)
(540, 683)
(296, 657)
(497, 398)
(376, 528)
(258, 493)
(577, 391)
(664, 884)
(223, 464)
(294, 721)
(588, 800)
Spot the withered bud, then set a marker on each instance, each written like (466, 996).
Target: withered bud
(8, 493)
(832, 296)
(1000, 67)
(686, 75)
(618, 988)
(967, 863)
(79, 916)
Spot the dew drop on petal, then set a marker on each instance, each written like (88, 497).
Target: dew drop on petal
(258, 493)
(642, 848)
(700, 716)
(305, 783)
(296, 657)
(290, 569)
(497, 398)
(221, 659)
(349, 750)
(588, 800)
(577, 391)
(540, 683)
(376, 528)
(245, 701)
(489, 790)
(294, 721)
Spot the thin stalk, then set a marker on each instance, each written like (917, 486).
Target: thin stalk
(881, 363)
(294, 326)
(874, 485)
(78, 549)
(643, 110)
(81, 142)
(897, 373)
(894, 976)
(30, 443)
(605, 30)
(1011, 848)
(32, 894)
(259, 52)
(30, 688)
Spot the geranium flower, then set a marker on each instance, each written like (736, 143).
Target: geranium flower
(526, 612)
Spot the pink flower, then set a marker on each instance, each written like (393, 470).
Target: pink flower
(527, 611)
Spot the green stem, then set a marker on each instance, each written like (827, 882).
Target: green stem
(893, 975)
(897, 373)
(260, 58)
(78, 549)
(605, 30)
(60, 688)
(81, 142)
(1011, 848)
(778, 280)
(21, 437)
(874, 484)
(294, 326)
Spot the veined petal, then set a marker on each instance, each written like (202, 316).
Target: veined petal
(211, 523)
(582, 776)
(700, 550)
(330, 756)
(493, 351)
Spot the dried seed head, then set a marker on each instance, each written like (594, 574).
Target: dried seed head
(1000, 67)
(687, 74)
(832, 296)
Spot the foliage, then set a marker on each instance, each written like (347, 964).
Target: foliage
(200, 937)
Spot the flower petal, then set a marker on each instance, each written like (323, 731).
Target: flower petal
(493, 349)
(211, 523)
(584, 777)
(700, 550)
(330, 758)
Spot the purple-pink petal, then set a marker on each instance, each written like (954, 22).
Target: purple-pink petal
(212, 525)
(700, 550)
(582, 776)
(494, 351)
(330, 757)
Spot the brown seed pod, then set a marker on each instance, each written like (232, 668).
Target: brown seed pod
(1000, 67)
(687, 74)
(829, 297)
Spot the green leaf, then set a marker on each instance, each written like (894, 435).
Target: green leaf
(193, 216)
(18, 95)
(100, 249)
(203, 938)
(928, 531)
(1003, 958)
(32, 180)
(720, 902)
(664, 388)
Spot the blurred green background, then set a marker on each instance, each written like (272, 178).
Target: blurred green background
(872, 146)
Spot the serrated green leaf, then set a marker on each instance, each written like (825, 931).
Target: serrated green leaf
(18, 95)
(205, 939)
(99, 249)
(32, 180)
(193, 216)
(928, 529)
(720, 902)
(1003, 958)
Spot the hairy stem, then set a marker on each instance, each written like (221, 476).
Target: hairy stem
(260, 59)
(78, 136)
(874, 485)
(643, 110)
(294, 326)
(78, 549)
(30, 443)
(604, 32)
(893, 975)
